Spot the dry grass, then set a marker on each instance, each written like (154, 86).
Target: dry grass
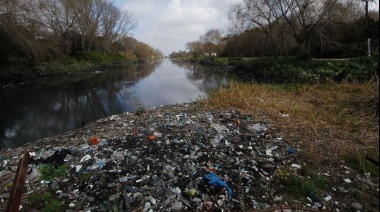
(330, 121)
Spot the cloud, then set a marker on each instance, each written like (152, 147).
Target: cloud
(169, 24)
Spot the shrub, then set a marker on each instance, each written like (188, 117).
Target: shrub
(50, 172)
(297, 70)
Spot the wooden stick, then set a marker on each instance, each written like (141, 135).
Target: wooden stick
(282, 208)
(372, 160)
(18, 184)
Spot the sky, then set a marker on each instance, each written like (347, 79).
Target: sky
(168, 25)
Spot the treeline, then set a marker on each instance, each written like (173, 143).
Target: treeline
(45, 30)
(303, 28)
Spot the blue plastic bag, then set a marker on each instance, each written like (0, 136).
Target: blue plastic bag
(215, 181)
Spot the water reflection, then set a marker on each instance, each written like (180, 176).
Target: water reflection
(206, 78)
(56, 106)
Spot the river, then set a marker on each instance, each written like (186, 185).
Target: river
(53, 106)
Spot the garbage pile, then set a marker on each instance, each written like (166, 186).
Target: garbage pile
(182, 159)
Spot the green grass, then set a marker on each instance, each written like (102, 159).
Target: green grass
(298, 186)
(45, 202)
(53, 206)
(85, 176)
(50, 172)
(36, 199)
(362, 165)
(298, 70)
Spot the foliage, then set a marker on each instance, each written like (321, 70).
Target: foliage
(36, 198)
(85, 176)
(302, 186)
(46, 202)
(53, 206)
(297, 70)
(218, 61)
(96, 57)
(139, 51)
(130, 56)
(65, 66)
(359, 163)
(141, 109)
(209, 45)
(182, 55)
(86, 62)
(50, 172)
(363, 68)
(286, 28)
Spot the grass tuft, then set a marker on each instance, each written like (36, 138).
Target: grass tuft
(298, 186)
(141, 109)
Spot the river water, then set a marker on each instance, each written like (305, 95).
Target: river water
(54, 106)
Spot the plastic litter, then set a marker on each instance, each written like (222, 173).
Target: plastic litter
(214, 180)
(194, 155)
(94, 141)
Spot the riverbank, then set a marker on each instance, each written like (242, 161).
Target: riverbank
(271, 145)
(23, 71)
(295, 70)
(23, 74)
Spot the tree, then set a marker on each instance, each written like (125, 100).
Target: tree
(195, 48)
(258, 14)
(304, 20)
(212, 42)
(47, 29)
(114, 26)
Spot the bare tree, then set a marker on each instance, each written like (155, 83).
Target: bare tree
(45, 29)
(258, 14)
(213, 41)
(195, 48)
(303, 19)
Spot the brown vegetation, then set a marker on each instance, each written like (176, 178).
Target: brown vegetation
(329, 122)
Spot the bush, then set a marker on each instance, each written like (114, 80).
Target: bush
(357, 69)
(297, 70)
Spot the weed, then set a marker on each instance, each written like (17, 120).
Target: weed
(85, 176)
(50, 172)
(141, 109)
(53, 206)
(36, 199)
(357, 194)
(300, 71)
(302, 186)
(45, 202)
(362, 165)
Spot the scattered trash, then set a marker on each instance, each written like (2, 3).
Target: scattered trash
(348, 181)
(94, 141)
(357, 206)
(295, 166)
(177, 159)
